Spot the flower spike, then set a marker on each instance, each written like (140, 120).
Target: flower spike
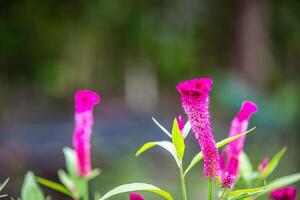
(195, 101)
(85, 101)
(230, 156)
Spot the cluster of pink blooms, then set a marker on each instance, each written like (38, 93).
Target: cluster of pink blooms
(195, 101)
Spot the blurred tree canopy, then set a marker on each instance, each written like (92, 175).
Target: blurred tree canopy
(55, 44)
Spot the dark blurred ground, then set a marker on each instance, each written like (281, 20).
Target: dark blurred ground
(134, 53)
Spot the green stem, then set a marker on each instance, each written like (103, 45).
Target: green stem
(85, 192)
(183, 187)
(210, 187)
(223, 193)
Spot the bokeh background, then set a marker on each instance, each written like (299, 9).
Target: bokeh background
(134, 53)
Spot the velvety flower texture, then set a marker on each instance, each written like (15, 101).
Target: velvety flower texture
(230, 157)
(195, 102)
(264, 163)
(289, 193)
(85, 101)
(136, 197)
(227, 180)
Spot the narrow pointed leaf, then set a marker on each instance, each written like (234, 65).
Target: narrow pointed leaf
(198, 157)
(137, 187)
(66, 180)
(245, 169)
(4, 184)
(70, 160)
(186, 129)
(272, 164)
(30, 189)
(178, 140)
(164, 144)
(94, 173)
(278, 183)
(162, 128)
(53, 185)
(230, 139)
(194, 161)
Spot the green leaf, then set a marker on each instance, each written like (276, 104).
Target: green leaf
(162, 128)
(230, 139)
(94, 173)
(272, 164)
(186, 129)
(48, 198)
(197, 158)
(4, 184)
(178, 140)
(67, 181)
(53, 185)
(278, 183)
(194, 161)
(30, 189)
(70, 159)
(240, 194)
(164, 144)
(137, 187)
(246, 169)
(76, 185)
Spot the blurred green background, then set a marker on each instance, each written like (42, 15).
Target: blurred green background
(134, 53)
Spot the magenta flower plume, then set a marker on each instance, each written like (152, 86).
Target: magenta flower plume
(264, 163)
(239, 125)
(230, 156)
(136, 197)
(289, 193)
(85, 101)
(195, 101)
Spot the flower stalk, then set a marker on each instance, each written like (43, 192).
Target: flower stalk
(183, 186)
(210, 189)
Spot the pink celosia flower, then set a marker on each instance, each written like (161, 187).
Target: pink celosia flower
(136, 197)
(85, 100)
(289, 193)
(180, 122)
(227, 180)
(230, 156)
(239, 125)
(195, 102)
(264, 163)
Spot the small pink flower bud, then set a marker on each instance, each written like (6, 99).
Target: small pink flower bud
(264, 163)
(289, 193)
(136, 197)
(180, 122)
